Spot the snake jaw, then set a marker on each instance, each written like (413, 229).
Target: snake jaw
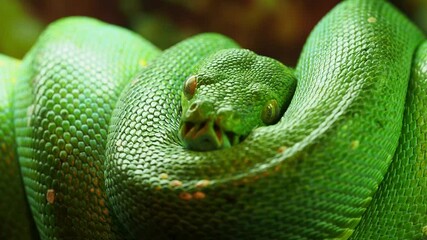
(206, 136)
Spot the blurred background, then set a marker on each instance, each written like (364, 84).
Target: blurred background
(275, 28)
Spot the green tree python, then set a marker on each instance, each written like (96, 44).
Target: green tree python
(117, 140)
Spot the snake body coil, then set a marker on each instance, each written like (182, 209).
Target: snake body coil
(101, 157)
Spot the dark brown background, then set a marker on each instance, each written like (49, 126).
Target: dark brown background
(276, 28)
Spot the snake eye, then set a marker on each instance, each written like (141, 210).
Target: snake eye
(270, 113)
(190, 86)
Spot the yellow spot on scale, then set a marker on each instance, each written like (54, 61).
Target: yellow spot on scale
(50, 196)
(372, 20)
(163, 176)
(185, 196)
(354, 144)
(199, 195)
(176, 183)
(282, 149)
(142, 63)
(424, 230)
(202, 183)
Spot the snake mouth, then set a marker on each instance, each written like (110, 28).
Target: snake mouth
(207, 136)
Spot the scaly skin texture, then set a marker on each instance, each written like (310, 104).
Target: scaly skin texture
(315, 174)
(16, 221)
(399, 207)
(145, 123)
(310, 176)
(66, 91)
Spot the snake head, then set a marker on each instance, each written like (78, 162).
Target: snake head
(232, 92)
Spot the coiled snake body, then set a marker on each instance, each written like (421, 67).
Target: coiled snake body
(106, 151)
